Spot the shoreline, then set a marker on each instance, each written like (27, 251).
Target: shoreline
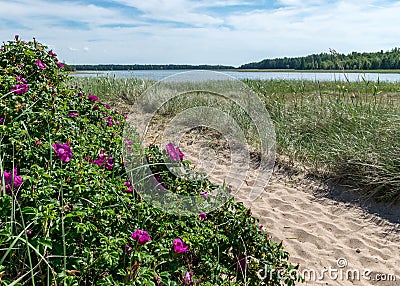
(319, 71)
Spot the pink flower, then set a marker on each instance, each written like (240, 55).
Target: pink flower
(40, 64)
(73, 114)
(202, 215)
(60, 65)
(180, 153)
(16, 37)
(20, 78)
(116, 122)
(63, 151)
(93, 98)
(130, 189)
(9, 178)
(141, 236)
(100, 161)
(187, 280)
(180, 246)
(127, 183)
(95, 107)
(37, 143)
(125, 115)
(174, 152)
(106, 106)
(80, 95)
(20, 88)
(109, 121)
(204, 195)
(51, 53)
(1, 120)
(128, 142)
(110, 163)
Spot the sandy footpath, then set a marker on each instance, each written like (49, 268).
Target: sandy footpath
(323, 229)
(325, 233)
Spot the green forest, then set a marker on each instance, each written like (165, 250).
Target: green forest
(108, 67)
(333, 61)
(388, 60)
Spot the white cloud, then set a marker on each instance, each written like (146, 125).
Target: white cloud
(173, 10)
(295, 28)
(50, 13)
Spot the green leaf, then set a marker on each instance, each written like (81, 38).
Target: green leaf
(45, 241)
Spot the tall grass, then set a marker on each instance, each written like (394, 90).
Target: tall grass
(110, 87)
(345, 131)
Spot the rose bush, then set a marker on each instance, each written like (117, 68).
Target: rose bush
(70, 215)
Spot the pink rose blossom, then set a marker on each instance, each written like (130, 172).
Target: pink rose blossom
(100, 161)
(51, 53)
(63, 151)
(20, 88)
(204, 195)
(110, 163)
(40, 64)
(141, 236)
(93, 98)
(174, 152)
(12, 181)
(180, 246)
(202, 215)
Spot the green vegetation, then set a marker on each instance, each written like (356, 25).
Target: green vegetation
(333, 61)
(345, 131)
(69, 68)
(70, 215)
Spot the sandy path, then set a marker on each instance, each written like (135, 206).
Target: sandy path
(321, 233)
(320, 229)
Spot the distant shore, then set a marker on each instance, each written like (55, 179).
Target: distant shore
(314, 71)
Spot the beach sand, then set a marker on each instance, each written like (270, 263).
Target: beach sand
(322, 227)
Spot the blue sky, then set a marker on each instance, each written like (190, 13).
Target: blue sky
(229, 32)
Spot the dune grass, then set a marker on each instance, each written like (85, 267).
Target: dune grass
(344, 131)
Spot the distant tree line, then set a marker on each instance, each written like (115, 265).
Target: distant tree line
(108, 67)
(69, 68)
(333, 61)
